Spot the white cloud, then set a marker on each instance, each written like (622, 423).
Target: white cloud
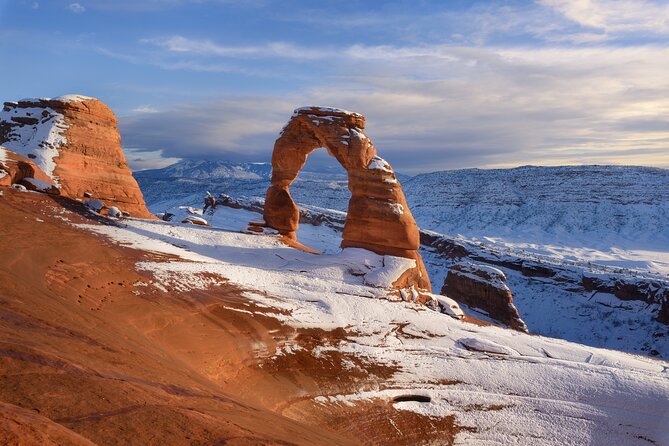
(140, 159)
(180, 44)
(76, 8)
(145, 109)
(614, 16)
(458, 107)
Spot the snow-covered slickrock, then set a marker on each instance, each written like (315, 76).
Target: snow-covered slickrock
(75, 141)
(483, 287)
(16, 169)
(378, 216)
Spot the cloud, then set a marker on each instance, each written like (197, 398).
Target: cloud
(140, 159)
(148, 6)
(180, 44)
(76, 8)
(144, 109)
(615, 16)
(458, 107)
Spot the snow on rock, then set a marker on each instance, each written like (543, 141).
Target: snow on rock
(548, 390)
(378, 218)
(40, 186)
(75, 141)
(114, 212)
(324, 111)
(448, 306)
(72, 98)
(36, 133)
(192, 219)
(392, 269)
(486, 346)
(95, 205)
(378, 163)
(483, 287)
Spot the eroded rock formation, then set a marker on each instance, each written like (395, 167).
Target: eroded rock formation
(378, 216)
(75, 141)
(483, 287)
(16, 169)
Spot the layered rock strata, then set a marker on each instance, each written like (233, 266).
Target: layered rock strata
(378, 216)
(483, 287)
(75, 141)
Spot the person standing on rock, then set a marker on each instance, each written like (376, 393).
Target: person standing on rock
(209, 202)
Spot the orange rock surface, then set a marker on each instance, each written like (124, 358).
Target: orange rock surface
(378, 216)
(91, 159)
(91, 352)
(14, 168)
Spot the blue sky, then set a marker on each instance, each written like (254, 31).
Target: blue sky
(444, 84)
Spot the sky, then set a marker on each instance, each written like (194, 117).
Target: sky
(443, 84)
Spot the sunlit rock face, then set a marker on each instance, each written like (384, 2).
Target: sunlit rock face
(378, 216)
(75, 141)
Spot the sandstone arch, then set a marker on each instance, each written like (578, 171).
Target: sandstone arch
(378, 216)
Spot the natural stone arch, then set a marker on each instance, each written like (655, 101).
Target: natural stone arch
(378, 217)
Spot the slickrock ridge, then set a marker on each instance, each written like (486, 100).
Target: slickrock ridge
(483, 287)
(75, 140)
(378, 216)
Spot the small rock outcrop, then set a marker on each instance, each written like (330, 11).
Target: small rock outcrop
(379, 219)
(75, 141)
(483, 287)
(16, 169)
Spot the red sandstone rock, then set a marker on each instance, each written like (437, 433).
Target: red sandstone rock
(378, 216)
(75, 140)
(15, 169)
(483, 287)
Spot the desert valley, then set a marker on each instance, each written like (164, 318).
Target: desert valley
(319, 306)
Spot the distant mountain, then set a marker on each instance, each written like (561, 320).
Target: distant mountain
(210, 170)
(318, 185)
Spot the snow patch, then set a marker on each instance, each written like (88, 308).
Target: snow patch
(486, 346)
(393, 267)
(378, 163)
(72, 98)
(40, 185)
(35, 133)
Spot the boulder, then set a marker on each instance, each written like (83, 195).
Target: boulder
(378, 219)
(193, 220)
(75, 141)
(483, 287)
